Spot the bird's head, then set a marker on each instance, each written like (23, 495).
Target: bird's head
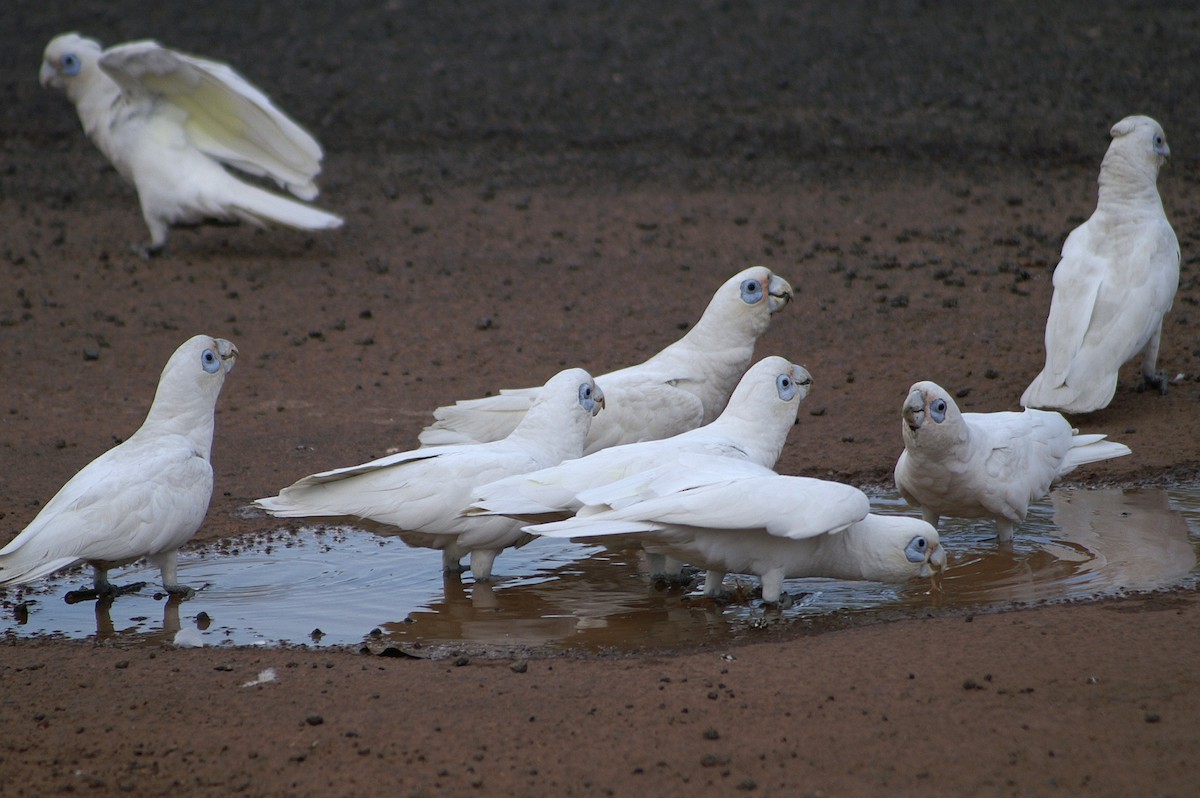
(1139, 147)
(563, 410)
(66, 58)
(746, 302)
(896, 548)
(927, 412)
(771, 389)
(191, 381)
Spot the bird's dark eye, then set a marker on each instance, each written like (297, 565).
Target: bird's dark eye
(210, 362)
(915, 550)
(785, 387)
(752, 291)
(585, 397)
(937, 410)
(70, 64)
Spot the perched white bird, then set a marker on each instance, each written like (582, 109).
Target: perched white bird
(421, 493)
(683, 387)
(170, 123)
(730, 516)
(986, 465)
(1116, 280)
(143, 498)
(753, 427)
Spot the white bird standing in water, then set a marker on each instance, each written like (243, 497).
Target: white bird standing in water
(421, 493)
(754, 428)
(170, 123)
(986, 465)
(731, 516)
(143, 498)
(1117, 278)
(683, 387)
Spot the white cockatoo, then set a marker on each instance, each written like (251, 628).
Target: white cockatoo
(170, 123)
(143, 498)
(421, 494)
(753, 427)
(683, 387)
(731, 516)
(986, 465)
(1116, 280)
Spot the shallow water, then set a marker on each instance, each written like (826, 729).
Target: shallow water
(347, 586)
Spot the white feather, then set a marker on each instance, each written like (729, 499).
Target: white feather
(753, 427)
(170, 122)
(1117, 278)
(986, 465)
(143, 498)
(683, 387)
(724, 517)
(423, 492)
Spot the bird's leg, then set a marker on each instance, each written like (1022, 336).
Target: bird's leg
(158, 237)
(481, 564)
(1151, 377)
(930, 517)
(101, 588)
(667, 570)
(146, 251)
(451, 562)
(772, 586)
(1004, 530)
(714, 582)
(167, 563)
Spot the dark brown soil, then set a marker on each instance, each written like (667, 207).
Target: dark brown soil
(541, 184)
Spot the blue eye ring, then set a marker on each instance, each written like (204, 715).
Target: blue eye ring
(937, 410)
(585, 397)
(69, 64)
(916, 548)
(210, 361)
(752, 291)
(785, 386)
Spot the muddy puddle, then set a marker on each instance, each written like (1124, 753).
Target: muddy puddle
(347, 587)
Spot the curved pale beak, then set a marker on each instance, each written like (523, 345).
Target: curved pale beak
(47, 73)
(802, 379)
(228, 353)
(779, 292)
(914, 411)
(935, 562)
(598, 398)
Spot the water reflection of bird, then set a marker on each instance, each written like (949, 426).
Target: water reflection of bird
(107, 630)
(1137, 540)
(599, 602)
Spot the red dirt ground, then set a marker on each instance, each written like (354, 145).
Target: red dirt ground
(554, 183)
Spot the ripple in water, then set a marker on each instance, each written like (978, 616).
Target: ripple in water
(345, 586)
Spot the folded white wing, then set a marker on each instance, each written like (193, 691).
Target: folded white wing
(736, 498)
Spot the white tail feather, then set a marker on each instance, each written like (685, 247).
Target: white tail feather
(254, 205)
(1091, 449)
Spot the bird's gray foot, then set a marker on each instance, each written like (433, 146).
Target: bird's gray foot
(180, 592)
(147, 251)
(105, 591)
(1157, 380)
(685, 577)
(783, 600)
